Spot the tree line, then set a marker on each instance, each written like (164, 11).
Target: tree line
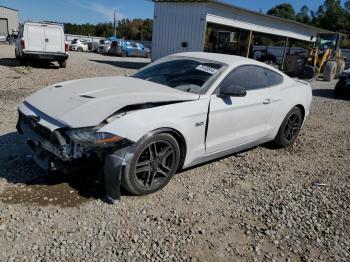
(331, 15)
(136, 29)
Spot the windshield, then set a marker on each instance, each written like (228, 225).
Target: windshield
(182, 73)
(75, 41)
(326, 41)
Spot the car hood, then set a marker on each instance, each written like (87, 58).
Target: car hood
(87, 102)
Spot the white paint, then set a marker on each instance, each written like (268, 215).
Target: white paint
(41, 37)
(233, 126)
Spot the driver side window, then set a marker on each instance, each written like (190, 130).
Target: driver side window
(249, 77)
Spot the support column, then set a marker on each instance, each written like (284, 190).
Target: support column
(249, 42)
(284, 53)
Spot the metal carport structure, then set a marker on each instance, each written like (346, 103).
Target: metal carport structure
(180, 26)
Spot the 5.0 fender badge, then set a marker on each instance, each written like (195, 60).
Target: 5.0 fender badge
(199, 124)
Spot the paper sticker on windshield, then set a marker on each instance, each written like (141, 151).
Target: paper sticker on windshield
(207, 69)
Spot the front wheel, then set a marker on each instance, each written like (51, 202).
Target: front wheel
(289, 128)
(153, 164)
(330, 70)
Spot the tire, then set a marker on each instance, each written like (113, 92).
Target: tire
(289, 128)
(63, 64)
(339, 90)
(148, 55)
(80, 49)
(330, 70)
(23, 61)
(307, 73)
(124, 54)
(340, 68)
(162, 169)
(17, 56)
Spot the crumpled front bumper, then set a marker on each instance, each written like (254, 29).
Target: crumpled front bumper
(52, 152)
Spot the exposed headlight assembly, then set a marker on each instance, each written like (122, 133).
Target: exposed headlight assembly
(92, 136)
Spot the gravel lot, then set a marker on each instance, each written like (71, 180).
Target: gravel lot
(260, 205)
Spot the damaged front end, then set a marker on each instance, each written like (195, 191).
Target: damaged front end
(68, 150)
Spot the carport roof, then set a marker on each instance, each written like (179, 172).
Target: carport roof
(320, 30)
(1, 6)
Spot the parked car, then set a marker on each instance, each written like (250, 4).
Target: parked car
(343, 85)
(104, 47)
(115, 48)
(125, 48)
(177, 112)
(79, 45)
(41, 41)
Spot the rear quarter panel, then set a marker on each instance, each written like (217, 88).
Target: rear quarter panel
(291, 93)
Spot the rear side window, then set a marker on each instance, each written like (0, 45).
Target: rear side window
(273, 78)
(249, 77)
(252, 77)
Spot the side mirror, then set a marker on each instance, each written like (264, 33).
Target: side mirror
(232, 90)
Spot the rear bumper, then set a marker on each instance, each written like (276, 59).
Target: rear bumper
(45, 56)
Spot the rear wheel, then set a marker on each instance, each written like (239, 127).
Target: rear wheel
(17, 56)
(289, 128)
(339, 89)
(307, 72)
(80, 49)
(330, 70)
(63, 64)
(124, 54)
(153, 165)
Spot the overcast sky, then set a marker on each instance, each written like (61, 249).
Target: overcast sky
(94, 11)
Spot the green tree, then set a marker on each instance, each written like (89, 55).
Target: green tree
(332, 16)
(283, 10)
(122, 27)
(303, 15)
(147, 29)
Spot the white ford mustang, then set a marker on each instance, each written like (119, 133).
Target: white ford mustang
(177, 112)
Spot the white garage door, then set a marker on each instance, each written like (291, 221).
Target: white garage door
(3, 26)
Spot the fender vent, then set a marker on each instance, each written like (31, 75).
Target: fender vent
(86, 96)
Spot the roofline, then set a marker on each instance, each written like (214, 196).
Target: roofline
(9, 8)
(43, 22)
(218, 2)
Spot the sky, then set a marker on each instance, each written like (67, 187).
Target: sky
(95, 11)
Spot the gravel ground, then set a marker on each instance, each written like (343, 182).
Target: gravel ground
(260, 205)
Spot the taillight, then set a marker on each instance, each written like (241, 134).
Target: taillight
(66, 46)
(23, 45)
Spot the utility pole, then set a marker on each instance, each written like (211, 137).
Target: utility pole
(114, 28)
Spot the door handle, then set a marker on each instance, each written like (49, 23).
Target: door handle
(267, 101)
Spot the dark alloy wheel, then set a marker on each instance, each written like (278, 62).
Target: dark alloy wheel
(153, 164)
(292, 127)
(289, 128)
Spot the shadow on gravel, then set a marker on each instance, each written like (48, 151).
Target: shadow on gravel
(121, 64)
(13, 62)
(329, 93)
(31, 185)
(9, 62)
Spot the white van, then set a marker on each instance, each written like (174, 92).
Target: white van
(43, 41)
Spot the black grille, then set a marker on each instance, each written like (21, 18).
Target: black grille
(33, 124)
